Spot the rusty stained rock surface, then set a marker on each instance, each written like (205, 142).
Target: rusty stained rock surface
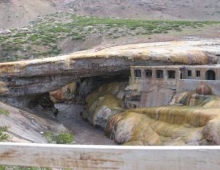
(104, 102)
(168, 125)
(42, 75)
(66, 93)
(192, 119)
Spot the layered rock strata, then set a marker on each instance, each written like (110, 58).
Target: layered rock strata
(22, 81)
(104, 102)
(192, 119)
(42, 75)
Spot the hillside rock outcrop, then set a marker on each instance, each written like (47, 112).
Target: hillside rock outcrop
(27, 127)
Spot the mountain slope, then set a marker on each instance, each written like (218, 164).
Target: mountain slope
(147, 9)
(17, 13)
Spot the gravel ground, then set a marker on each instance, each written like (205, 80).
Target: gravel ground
(84, 133)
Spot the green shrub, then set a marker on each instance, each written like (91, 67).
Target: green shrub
(4, 111)
(77, 36)
(33, 38)
(21, 168)
(62, 138)
(3, 135)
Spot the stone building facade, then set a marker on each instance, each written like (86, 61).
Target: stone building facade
(156, 85)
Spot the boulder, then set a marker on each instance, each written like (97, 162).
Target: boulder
(201, 96)
(203, 89)
(66, 93)
(131, 127)
(104, 102)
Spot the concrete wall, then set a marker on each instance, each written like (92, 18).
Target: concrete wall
(157, 92)
(154, 91)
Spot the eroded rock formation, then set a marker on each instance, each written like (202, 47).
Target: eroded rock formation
(192, 119)
(66, 93)
(43, 75)
(197, 122)
(21, 80)
(168, 125)
(105, 102)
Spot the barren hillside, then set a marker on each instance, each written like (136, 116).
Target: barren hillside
(63, 33)
(16, 13)
(147, 9)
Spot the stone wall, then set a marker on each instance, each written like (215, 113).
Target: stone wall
(157, 85)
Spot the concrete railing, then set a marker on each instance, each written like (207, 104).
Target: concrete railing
(110, 157)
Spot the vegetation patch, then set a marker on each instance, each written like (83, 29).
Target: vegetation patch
(4, 111)
(62, 138)
(21, 168)
(3, 135)
(43, 37)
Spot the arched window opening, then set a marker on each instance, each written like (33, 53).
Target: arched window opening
(210, 75)
(148, 73)
(137, 73)
(171, 74)
(159, 74)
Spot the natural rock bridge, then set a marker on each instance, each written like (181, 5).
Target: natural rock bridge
(37, 76)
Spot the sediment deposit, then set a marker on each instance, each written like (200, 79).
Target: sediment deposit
(192, 119)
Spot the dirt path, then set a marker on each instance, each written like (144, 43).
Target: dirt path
(84, 133)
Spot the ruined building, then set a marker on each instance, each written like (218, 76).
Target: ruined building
(156, 85)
